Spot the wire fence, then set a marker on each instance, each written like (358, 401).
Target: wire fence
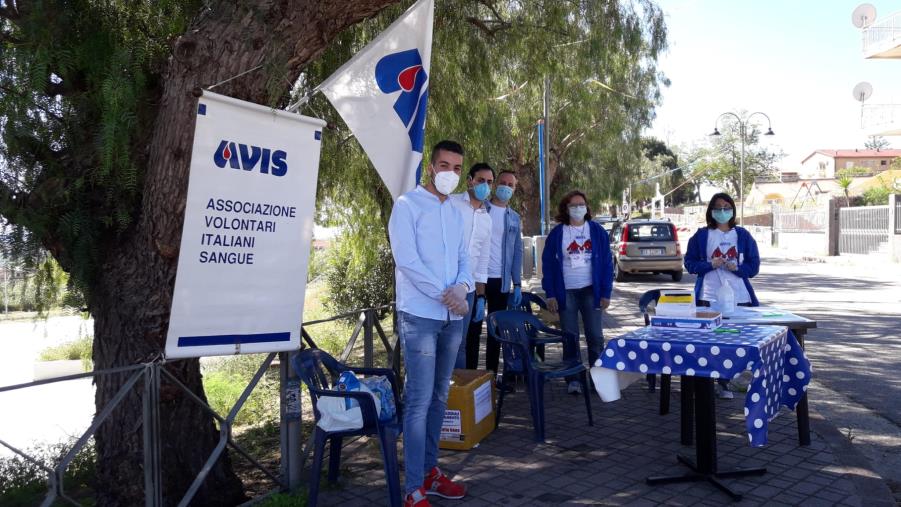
(146, 380)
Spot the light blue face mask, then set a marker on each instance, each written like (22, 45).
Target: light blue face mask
(503, 192)
(722, 216)
(481, 191)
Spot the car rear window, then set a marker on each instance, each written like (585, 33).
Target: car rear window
(650, 232)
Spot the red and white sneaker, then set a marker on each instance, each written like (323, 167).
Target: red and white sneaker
(436, 483)
(417, 499)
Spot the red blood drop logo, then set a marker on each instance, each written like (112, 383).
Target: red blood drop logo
(226, 153)
(407, 77)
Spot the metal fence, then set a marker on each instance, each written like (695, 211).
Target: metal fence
(898, 216)
(148, 378)
(863, 230)
(799, 221)
(882, 33)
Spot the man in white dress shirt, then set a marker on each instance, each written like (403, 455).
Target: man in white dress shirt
(477, 233)
(432, 280)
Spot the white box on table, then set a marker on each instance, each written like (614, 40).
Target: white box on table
(698, 321)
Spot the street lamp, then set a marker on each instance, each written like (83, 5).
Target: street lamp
(742, 130)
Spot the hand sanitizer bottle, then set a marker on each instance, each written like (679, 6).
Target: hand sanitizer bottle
(725, 298)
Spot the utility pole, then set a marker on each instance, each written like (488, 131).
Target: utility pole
(546, 190)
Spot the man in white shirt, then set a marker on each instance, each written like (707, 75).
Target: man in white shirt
(477, 232)
(432, 280)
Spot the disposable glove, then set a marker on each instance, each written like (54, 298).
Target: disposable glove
(515, 297)
(454, 297)
(479, 313)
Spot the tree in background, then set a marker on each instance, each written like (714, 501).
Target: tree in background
(659, 160)
(96, 123)
(877, 143)
(487, 80)
(719, 161)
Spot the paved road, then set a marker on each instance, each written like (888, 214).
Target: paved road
(855, 351)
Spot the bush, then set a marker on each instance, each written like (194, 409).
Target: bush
(357, 281)
(78, 349)
(224, 379)
(23, 483)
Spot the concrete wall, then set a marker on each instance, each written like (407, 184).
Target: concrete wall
(805, 243)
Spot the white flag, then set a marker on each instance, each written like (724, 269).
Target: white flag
(382, 94)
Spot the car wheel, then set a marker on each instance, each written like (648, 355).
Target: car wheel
(677, 276)
(618, 274)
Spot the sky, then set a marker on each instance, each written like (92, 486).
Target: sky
(795, 60)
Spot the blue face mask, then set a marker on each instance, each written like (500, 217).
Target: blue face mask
(481, 191)
(722, 216)
(503, 192)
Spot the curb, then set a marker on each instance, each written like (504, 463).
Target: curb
(870, 486)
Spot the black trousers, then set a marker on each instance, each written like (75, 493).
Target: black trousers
(495, 301)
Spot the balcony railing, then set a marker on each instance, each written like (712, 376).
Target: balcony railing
(882, 35)
(881, 116)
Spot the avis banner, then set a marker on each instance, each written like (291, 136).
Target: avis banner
(242, 266)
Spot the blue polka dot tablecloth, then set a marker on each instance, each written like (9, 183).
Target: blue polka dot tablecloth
(772, 353)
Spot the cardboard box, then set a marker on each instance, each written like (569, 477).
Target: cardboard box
(471, 405)
(700, 321)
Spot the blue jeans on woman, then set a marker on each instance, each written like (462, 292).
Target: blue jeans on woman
(581, 302)
(430, 349)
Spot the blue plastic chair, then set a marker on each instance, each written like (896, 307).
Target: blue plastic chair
(525, 305)
(516, 331)
(319, 371)
(652, 296)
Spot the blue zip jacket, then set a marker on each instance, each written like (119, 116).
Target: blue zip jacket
(511, 249)
(601, 265)
(696, 259)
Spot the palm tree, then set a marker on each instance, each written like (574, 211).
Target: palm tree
(845, 182)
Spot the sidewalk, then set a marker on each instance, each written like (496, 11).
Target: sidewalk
(607, 464)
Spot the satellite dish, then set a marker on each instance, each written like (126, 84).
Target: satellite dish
(862, 91)
(863, 15)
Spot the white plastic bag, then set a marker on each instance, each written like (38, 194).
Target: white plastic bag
(338, 415)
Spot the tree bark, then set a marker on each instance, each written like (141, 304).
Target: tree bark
(132, 297)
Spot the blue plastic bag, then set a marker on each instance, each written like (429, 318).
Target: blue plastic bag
(381, 388)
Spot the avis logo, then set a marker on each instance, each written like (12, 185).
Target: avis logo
(242, 156)
(404, 71)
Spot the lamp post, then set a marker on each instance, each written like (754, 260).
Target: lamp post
(742, 131)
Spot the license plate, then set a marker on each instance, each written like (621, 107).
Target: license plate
(653, 251)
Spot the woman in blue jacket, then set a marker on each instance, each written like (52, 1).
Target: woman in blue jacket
(578, 273)
(723, 253)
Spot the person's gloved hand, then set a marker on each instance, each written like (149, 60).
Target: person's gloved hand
(454, 297)
(515, 297)
(479, 313)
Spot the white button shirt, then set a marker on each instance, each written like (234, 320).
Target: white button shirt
(430, 254)
(477, 233)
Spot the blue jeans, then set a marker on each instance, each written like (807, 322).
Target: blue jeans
(461, 354)
(430, 349)
(581, 301)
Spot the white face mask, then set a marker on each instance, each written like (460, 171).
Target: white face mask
(578, 212)
(446, 181)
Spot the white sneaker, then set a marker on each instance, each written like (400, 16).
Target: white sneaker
(726, 394)
(574, 387)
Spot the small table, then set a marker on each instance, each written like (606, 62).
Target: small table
(770, 315)
(781, 374)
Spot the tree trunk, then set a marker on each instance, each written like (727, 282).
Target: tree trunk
(132, 297)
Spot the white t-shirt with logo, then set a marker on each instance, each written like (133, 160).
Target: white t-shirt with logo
(576, 256)
(724, 245)
(495, 259)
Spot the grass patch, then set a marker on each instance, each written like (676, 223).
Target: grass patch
(224, 379)
(23, 483)
(80, 349)
(285, 500)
